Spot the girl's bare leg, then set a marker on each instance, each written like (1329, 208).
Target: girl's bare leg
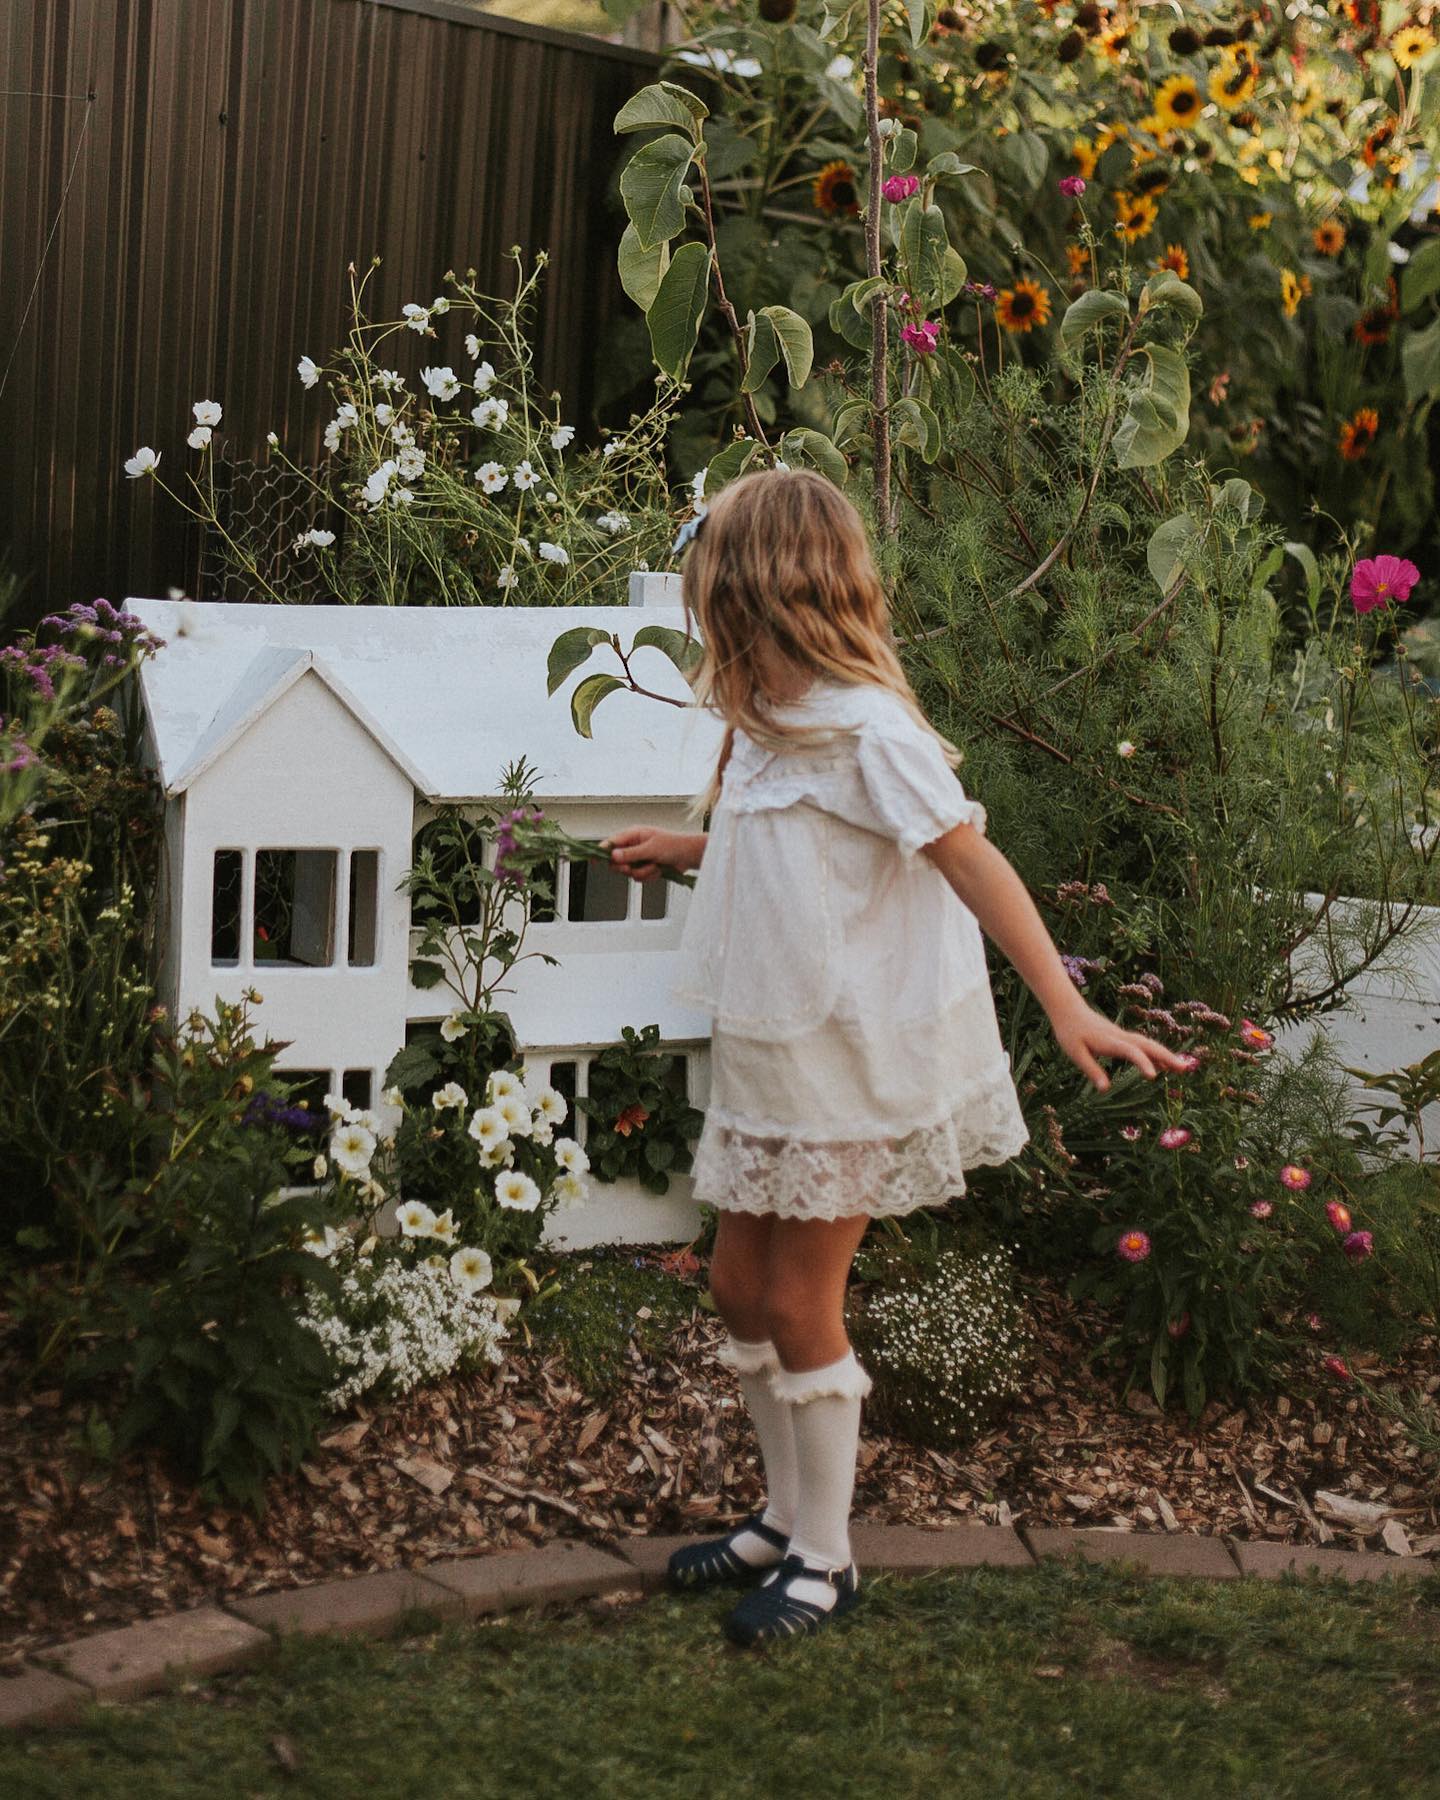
(738, 1277)
(808, 1265)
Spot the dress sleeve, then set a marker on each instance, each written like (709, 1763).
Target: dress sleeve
(912, 792)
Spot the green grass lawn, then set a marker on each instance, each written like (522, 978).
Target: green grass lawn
(1061, 1681)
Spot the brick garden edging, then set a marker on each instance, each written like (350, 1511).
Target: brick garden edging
(139, 1659)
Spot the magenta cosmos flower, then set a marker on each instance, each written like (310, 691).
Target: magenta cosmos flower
(1174, 1137)
(1377, 580)
(1295, 1178)
(1134, 1246)
(901, 187)
(1073, 186)
(1358, 1245)
(922, 338)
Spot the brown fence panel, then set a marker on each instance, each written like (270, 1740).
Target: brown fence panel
(182, 186)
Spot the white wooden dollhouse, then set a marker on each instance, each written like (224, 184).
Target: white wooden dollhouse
(302, 748)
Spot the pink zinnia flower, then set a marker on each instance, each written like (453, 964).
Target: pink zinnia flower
(921, 338)
(901, 187)
(1336, 1365)
(1338, 1215)
(1174, 1137)
(1295, 1178)
(1254, 1036)
(1377, 580)
(1072, 186)
(1130, 1133)
(1134, 1246)
(1261, 1209)
(1358, 1245)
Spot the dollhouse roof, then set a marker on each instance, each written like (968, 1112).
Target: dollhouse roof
(452, 695)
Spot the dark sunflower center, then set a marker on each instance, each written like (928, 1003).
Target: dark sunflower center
(1022, 305)
(842, 192)
(1184, 101)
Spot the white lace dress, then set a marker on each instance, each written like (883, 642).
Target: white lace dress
(856, 1061)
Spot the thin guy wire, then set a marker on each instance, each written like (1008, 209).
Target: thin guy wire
(44, 255)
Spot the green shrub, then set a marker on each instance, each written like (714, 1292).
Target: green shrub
(945, 1341)
(641, 1123)
(598, 1309)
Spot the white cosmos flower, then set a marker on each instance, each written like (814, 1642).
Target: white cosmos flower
(568, 1190)
(471, 1270)
(347, 414)
(315, 539)
(272, 438)
(452, 1094)
(613, 522)
(439, 304)
(490, 415)
(199, 438)
(207, 412)
(611, 446)
(321, 1243)
(525, 477)
(492, 476)
(562, 437)
(444, 1227)
(472, 346)
(516, 1114)
(570, 1156)
(145, 461)
(415, 1219)
(332, 436)
(697, 482)
(484, 376)
(452, 1027)
(411, 463)
(503, 1083)
(416, 317)
(488, 1128)
(387, 380)
(550, 1104)
(516, 1191)
(401, 497)
(441, 383)
(507, 577)
(377, 485)
(384, 413)
(351, 1147)
(554, 553)
(402, 434)
(319, 1169)
(308, 370)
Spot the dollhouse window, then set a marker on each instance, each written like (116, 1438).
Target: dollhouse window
(356, 1087)
(542, 911)
(599, 893)
(565, 1079)
(308, 1088)
(457, 847)
(362, 932)
(653, 898)
(294, 908)
(226, 892)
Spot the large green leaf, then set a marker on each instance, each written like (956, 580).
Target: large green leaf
(1166, 550)
(1157, 420)
(852, 417)
(652, 187)
(1165, 288)
(1089, 312)
(920, 20)
(953, 274)
(1421, 276)
(679, 305)
(587, 696)
(726, 464)
(1420, 359)
(684, 652)
(947, 166)
(915, 424)
(762, 352)
(663, 103)
(796, 344)
(569, 650)
(641, 269)
(813, 447)
(923, 243)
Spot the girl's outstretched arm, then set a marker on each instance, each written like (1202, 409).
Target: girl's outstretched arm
(992, 890)
(642, 851)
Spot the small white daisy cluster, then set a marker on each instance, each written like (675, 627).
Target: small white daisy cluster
(511, 1111)
(945, 1347)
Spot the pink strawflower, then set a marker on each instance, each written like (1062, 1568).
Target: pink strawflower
(1174, 1137)
(1295, 1178)
(1188, 1063)
(1314, 1321)
(1254, 1036)
(1179, 1328)
(1337, 1365)
(922, 338)
(1242, 1162)
(1130, 1133)
(1072, 186)
(1134, 1246)
(900, 187)
(1338, 1215)
(1377, 580)
(1358, 1245)
(1261, 1209)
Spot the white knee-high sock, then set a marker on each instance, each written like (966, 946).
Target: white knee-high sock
(825, 1409)
(755, 1365)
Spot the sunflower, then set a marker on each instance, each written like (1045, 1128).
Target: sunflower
(1135, 215)
(1178, 103)
(1329, 237)
(835, 190)
(1234, 81)
(1291, 292)
(1022, 307)
(1083, 155)
(1409, 45)
(1376, 141)
(1111, 134)
(1174, 259)
(1077, 260)
(1358, 434)
(1373, 325)
(1261, 221)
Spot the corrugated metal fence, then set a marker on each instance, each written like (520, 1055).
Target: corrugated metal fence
(182, 184)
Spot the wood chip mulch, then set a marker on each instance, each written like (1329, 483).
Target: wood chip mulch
(521, 1455)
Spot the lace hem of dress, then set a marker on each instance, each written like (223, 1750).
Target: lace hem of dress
(744, 1171)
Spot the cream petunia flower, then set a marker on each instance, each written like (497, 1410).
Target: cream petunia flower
(452, 1094)
(471, 1270)
(570, 1156)
(351, 1148)
(415, 1219)
(516, 1191)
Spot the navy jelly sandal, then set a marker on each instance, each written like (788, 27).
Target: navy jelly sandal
(707, 1564)
(771, 1611)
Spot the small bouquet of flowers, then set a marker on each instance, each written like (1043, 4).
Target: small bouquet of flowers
(525, 838)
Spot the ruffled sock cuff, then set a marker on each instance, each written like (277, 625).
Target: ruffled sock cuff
(845, 1378)
(748, 1358)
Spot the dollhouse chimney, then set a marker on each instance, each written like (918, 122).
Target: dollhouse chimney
(654, 589)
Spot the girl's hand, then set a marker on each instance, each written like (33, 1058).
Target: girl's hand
(641, 851)
(1085, 1034)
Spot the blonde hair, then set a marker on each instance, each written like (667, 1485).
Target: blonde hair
(781, 571)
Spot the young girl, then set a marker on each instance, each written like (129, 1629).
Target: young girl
(834, 936)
